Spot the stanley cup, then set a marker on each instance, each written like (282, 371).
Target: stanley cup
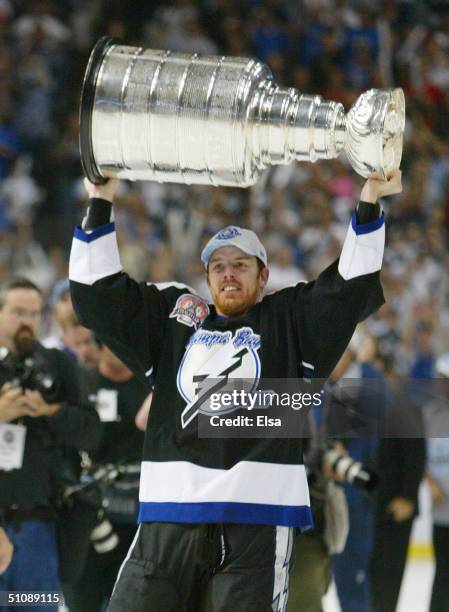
(174, 117)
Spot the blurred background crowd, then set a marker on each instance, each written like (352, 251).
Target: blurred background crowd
(334, 48)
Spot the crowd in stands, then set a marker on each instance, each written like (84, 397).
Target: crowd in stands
(333, 48)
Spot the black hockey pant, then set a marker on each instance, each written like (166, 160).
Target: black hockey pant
(174, 567)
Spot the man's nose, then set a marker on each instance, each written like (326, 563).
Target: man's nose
(228, 278)
(228, 273)
(28, 318)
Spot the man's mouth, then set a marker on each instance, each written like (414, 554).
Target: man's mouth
(230, 288)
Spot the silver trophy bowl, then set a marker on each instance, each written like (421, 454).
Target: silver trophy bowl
(172, 117)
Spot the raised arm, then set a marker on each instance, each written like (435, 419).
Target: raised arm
(363, 248)
(349, 290)
(129, 317)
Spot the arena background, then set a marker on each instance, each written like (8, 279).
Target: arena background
(333, 48)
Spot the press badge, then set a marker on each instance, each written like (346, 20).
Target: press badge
(107, 405)
(12, 445)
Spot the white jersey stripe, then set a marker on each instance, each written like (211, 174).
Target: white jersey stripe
(131, 548)
(92, 260)
(284, 544)
(249, 482)
(362, 253)
(168, 284)
(308, 365)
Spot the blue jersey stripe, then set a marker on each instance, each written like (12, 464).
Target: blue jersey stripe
(226, 512)
(367, 228)
(103, 230)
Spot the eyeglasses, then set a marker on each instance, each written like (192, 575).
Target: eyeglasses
(22, 313)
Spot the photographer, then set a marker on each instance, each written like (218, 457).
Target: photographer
(41, 413)
(357, 400)
(343, 512)
(118, 396)
(311, 574)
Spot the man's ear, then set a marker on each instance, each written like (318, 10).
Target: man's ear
(263, 279)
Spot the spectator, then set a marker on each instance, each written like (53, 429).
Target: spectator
(79, 340)
(61, 307)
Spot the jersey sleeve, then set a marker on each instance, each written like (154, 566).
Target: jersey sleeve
(328, 309)
(127, 316)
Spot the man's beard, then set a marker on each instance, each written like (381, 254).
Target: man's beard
(24, 340)
(239, 306)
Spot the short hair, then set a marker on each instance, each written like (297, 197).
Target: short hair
(69, 320)
(260, 265)
(18, 282)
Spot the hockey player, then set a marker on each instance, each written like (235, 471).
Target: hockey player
(216, 515)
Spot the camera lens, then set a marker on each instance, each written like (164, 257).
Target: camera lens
(103, 537)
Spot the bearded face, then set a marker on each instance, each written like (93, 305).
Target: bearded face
(235, 281)
(19, 319)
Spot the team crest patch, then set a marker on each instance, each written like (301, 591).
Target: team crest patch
(190, 310)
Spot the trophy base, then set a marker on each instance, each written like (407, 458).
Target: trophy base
(90, 168)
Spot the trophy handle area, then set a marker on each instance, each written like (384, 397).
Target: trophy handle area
(374, 131)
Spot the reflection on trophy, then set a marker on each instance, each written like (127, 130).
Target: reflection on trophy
(174, 117)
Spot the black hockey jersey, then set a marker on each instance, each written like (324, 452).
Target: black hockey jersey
(169, 332)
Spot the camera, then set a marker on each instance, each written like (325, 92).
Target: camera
(95, 489)
(88, 495)
(351, 471)
(29, 371)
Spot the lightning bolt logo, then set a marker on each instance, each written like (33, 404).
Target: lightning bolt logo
(204, 391)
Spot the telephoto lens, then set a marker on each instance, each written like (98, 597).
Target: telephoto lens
(103, 537)
(348, 470)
